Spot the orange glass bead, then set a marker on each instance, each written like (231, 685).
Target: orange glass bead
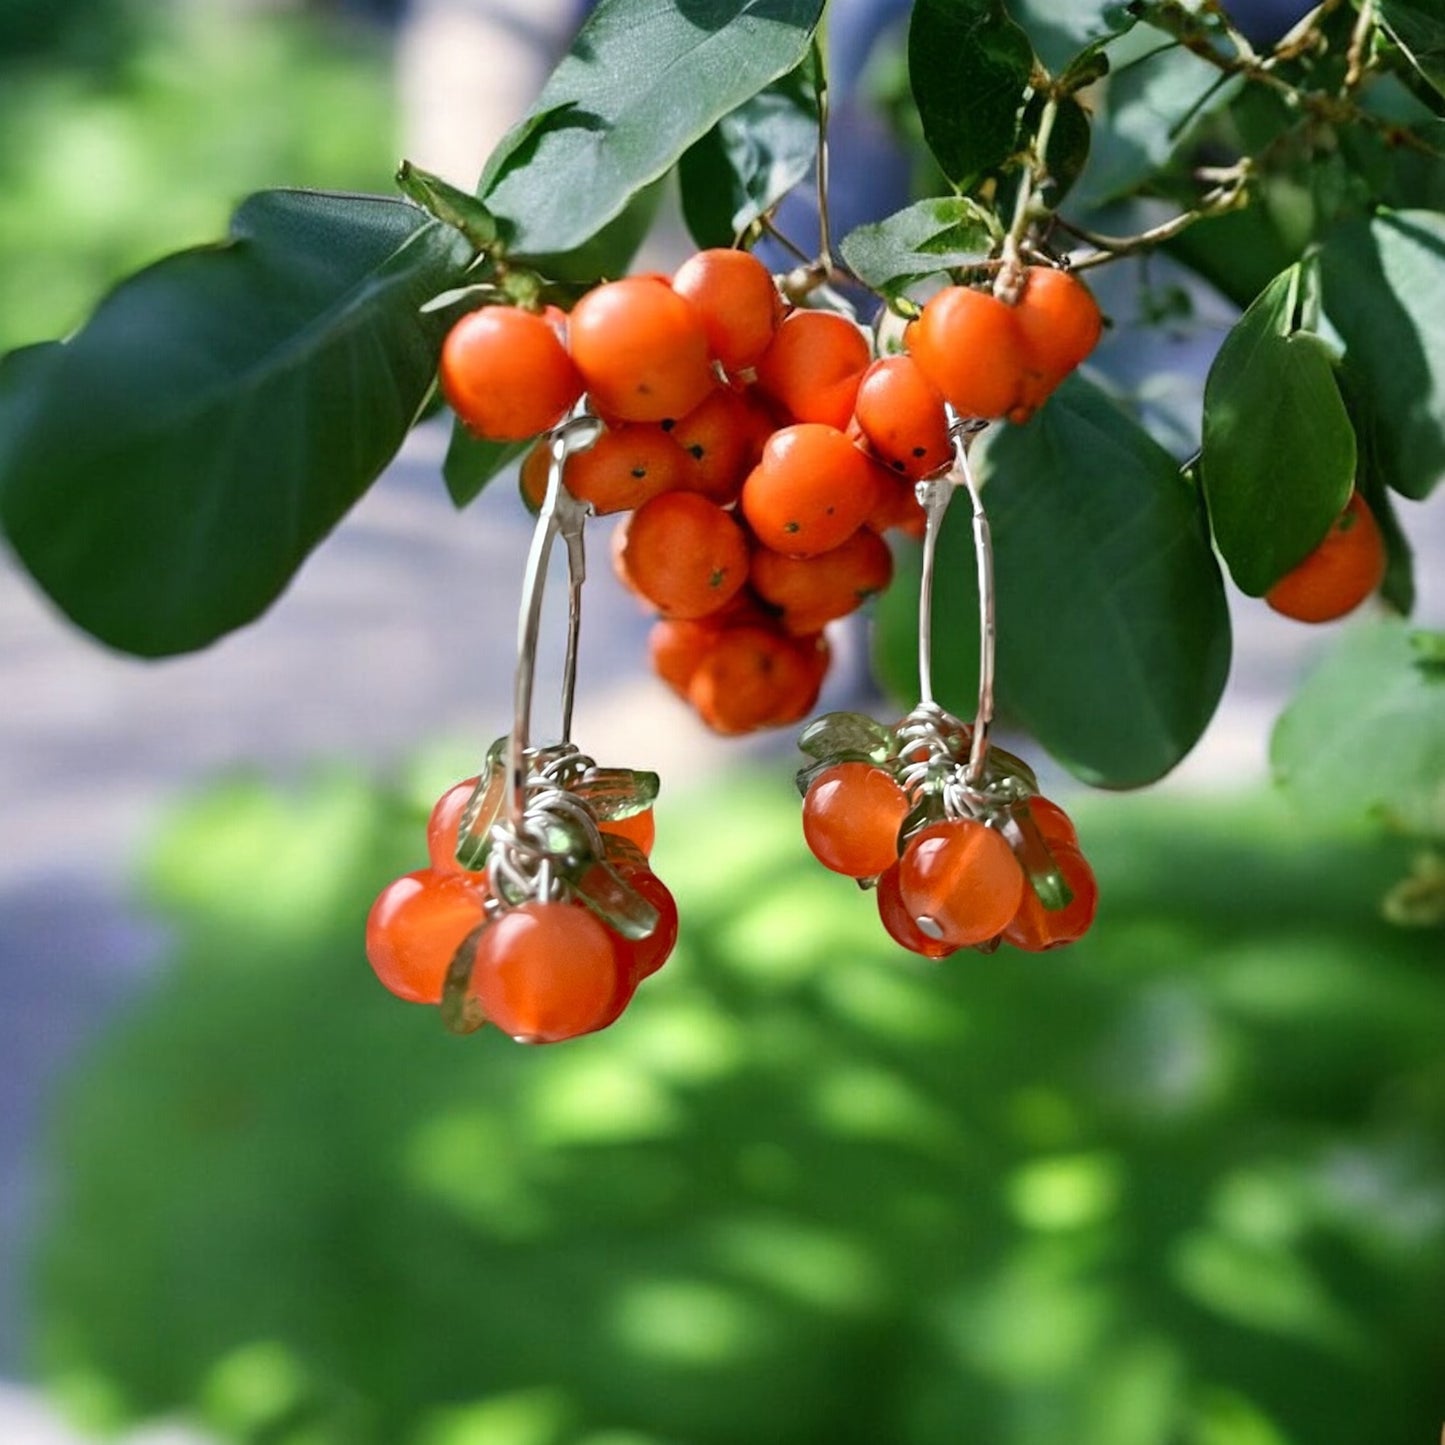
(640, 829)
(963, 877)
(1036, 928)
(899, 923)
(416, 926)
(851, 816)
(548, 971)
(642, 957)
(441, 828)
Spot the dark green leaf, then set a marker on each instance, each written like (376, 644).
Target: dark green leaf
(1418, 27)
(1155, 95)
(1365, 736)
(472, 462)
(1238, 253)
(926, 239)
(969, 66)
(1113, 636)
(1278, 459)
(750, 160)
(220, 413)
(1398, 586)
(1384, 291)
(1063, 31)
(643, 81)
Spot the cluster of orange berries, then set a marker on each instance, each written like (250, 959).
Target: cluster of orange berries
(957, 861)
(762, 451)
(544, 930)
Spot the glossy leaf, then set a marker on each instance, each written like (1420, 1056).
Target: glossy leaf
(925, 239)
(969, 66)
(643, 81)
(1064, 30)
(1113, 636)
(1384, 291)
(1278, 460)
(165, 472)
(1418, 27)
(1365, 735)
(472, 461)
(750, 160)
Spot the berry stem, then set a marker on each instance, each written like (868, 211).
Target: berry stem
(1010, 277)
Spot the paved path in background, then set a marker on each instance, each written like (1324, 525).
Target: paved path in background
(399, 631)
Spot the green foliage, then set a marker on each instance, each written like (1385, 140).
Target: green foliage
(644, 80)
(1418, 28)
(1278, 462)
(1365, 737)
(1384, 291)
(968, 64)
(1182, 1183)
(927, 239)
(1113, 638)
(145, 125)
(231, 401)
(750, 159)
(161, 502)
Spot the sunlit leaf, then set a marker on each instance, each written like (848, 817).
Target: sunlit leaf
(643, 81)
(1365, 736)
(927, 238)
(750, 159)
(1384, 290)
(165, 472)
(1278, 463)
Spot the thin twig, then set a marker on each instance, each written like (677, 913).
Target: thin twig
(1357, 54)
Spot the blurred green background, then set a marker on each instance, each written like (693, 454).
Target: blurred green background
(132, 127)
(1181, 1185)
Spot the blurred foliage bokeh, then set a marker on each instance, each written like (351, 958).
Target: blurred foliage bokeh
(1183, 1184)
(132, 129)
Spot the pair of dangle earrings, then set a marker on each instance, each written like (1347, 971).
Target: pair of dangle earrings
(539, 912)
(950, 830)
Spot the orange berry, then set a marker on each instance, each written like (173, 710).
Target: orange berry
(1060, 323)
(968, 344)
(1339, 574)
(715, 441)
(753, 677)
(1035, 928)
(810, 492)
(796, 700)
(640, 829)
(641, 349)
(813, 591)
(963, 876)
(677, 645)
(506, 375)
(814, 365)
(416, 926)
(734, 294)
(899, 924)
(548, 971)
(900, 413)
(627, 465)
(851, 817)
(684, 554)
